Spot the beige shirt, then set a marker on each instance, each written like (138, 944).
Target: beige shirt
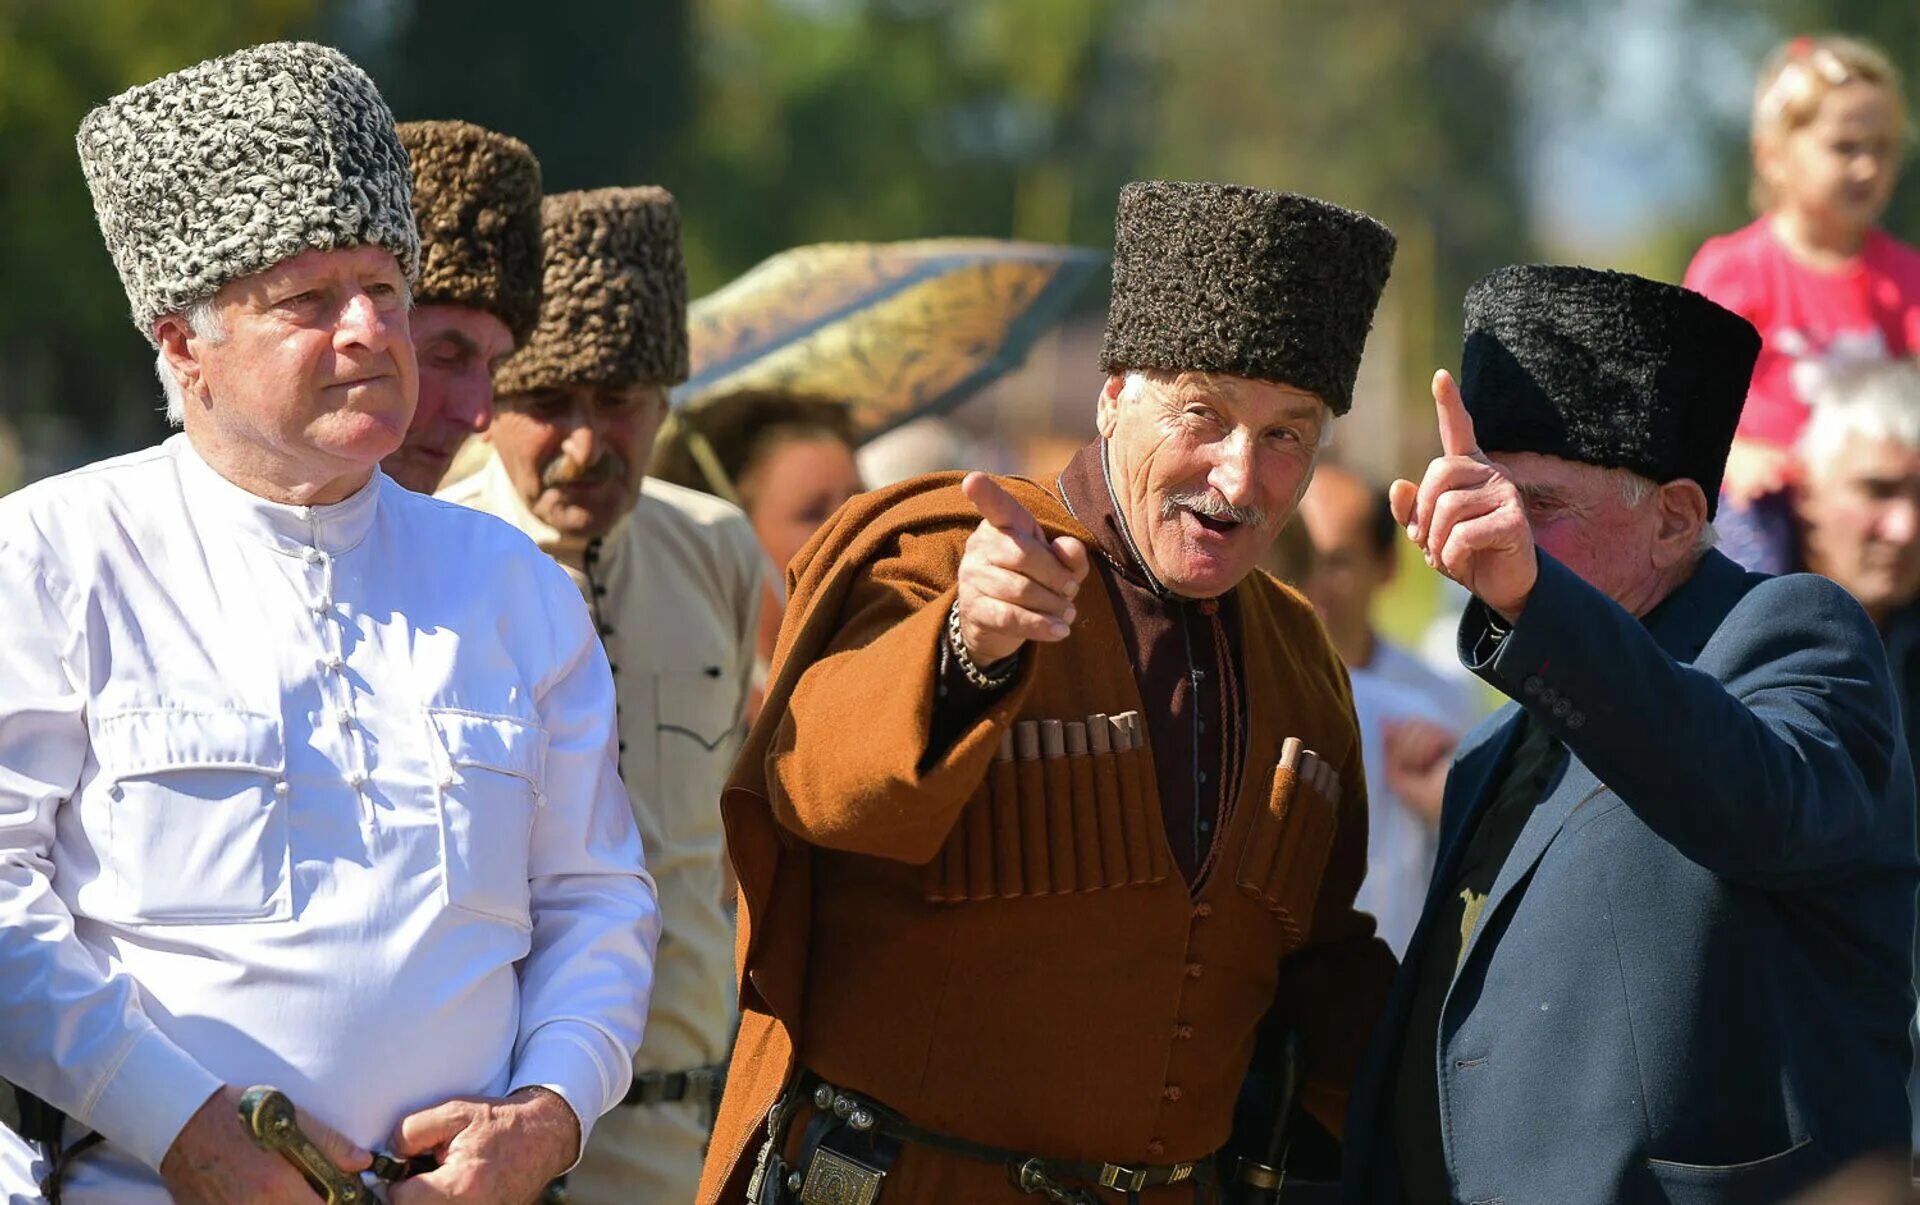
(681, 580)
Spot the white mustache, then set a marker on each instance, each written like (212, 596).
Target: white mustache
(1213, 506)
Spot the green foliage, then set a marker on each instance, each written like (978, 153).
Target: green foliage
(64, 330)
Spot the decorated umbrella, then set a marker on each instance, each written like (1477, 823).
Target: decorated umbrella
(893, 331)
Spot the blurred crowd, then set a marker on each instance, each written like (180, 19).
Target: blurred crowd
(680, 527)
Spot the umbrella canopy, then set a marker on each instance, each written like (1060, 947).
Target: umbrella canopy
(892, 330)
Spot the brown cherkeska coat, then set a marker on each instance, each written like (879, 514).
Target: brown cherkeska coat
(1004, 951)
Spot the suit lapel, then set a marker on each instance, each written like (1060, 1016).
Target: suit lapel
(1468, 792)
(1681, 625)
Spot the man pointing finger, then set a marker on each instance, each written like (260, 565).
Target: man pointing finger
(1666, 951)
(1466, 514)
(1055, 797)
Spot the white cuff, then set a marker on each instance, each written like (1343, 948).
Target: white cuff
(146, 1101)
(578, 1062)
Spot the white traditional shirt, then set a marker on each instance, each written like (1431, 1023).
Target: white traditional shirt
(318, 797)
(1401, 843)
(676, 590)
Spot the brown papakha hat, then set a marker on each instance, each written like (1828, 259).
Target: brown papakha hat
(1267, 285)
(613, 309)
(476, 197)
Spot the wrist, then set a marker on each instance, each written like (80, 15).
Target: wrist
(984, 673)
(550, 1116)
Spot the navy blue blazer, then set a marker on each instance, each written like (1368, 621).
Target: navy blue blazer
(1690, 981)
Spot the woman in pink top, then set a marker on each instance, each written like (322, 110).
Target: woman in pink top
(1825, 286)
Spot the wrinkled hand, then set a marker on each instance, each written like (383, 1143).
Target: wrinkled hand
(1466, 516)
(1755, 470)
(1015, 584)
(500, 1152)
(214, 1161)
(1417, 755)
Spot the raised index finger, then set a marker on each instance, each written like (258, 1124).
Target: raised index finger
(998, 507)
(1456, 425)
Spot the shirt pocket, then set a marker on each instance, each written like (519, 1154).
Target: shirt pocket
(1289, 842)
(193, 825)
(697, 733)
(1052, 825)
(491, 781)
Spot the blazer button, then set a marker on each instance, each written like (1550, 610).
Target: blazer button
(1532, 684)
(1576, 719)
(1156, 1148)
(1561, 706)
(1193, 970)
(1172, 1093)
(1202, 911)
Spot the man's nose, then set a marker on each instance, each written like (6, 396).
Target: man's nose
(361, 323)
(1901, 522)
(1233, 472)
(582, 443)
(473, 402)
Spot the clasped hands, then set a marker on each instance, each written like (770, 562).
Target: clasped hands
(500, 1151)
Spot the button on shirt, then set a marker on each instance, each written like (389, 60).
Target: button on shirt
(320, 797)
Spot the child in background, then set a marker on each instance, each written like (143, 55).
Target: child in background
(1825, 286)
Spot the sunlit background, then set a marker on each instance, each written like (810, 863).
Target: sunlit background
(1483, 131)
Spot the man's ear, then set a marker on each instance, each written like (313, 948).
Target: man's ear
(179, 351)
(1108, 412)
(1683, 513)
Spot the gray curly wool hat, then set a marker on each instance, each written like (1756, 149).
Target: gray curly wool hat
(613, 309)
(228, 167)
(1607, 369)
(1222, 278)
(476, 196)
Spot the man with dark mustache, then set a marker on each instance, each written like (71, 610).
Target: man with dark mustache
(673, 579)
(996, 943)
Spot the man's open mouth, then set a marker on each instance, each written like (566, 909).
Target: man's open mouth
(1222, 527)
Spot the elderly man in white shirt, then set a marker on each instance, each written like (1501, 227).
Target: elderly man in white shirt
(305, 779)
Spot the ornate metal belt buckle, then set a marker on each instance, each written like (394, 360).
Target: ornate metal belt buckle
(836, 1179)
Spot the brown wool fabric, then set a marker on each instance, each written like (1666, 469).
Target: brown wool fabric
(476, 196)
(228, 167)
(1268, 285)
(872, 872)
(613, 309)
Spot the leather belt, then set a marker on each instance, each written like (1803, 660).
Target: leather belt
(1028, 1172)
(670, 1087)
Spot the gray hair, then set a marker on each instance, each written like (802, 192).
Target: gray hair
(1635, 490)
(204, 321)
(1878, 401)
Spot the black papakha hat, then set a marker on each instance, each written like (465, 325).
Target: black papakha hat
(1268, 285)
(1607, 369)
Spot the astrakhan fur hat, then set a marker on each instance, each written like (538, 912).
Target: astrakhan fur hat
(1607, 369)
(1221, 278)
(476, 195)
(613, 309)
(228, 167)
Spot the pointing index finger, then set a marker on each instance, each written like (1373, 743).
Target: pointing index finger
(998, 507)
(1456, 425)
